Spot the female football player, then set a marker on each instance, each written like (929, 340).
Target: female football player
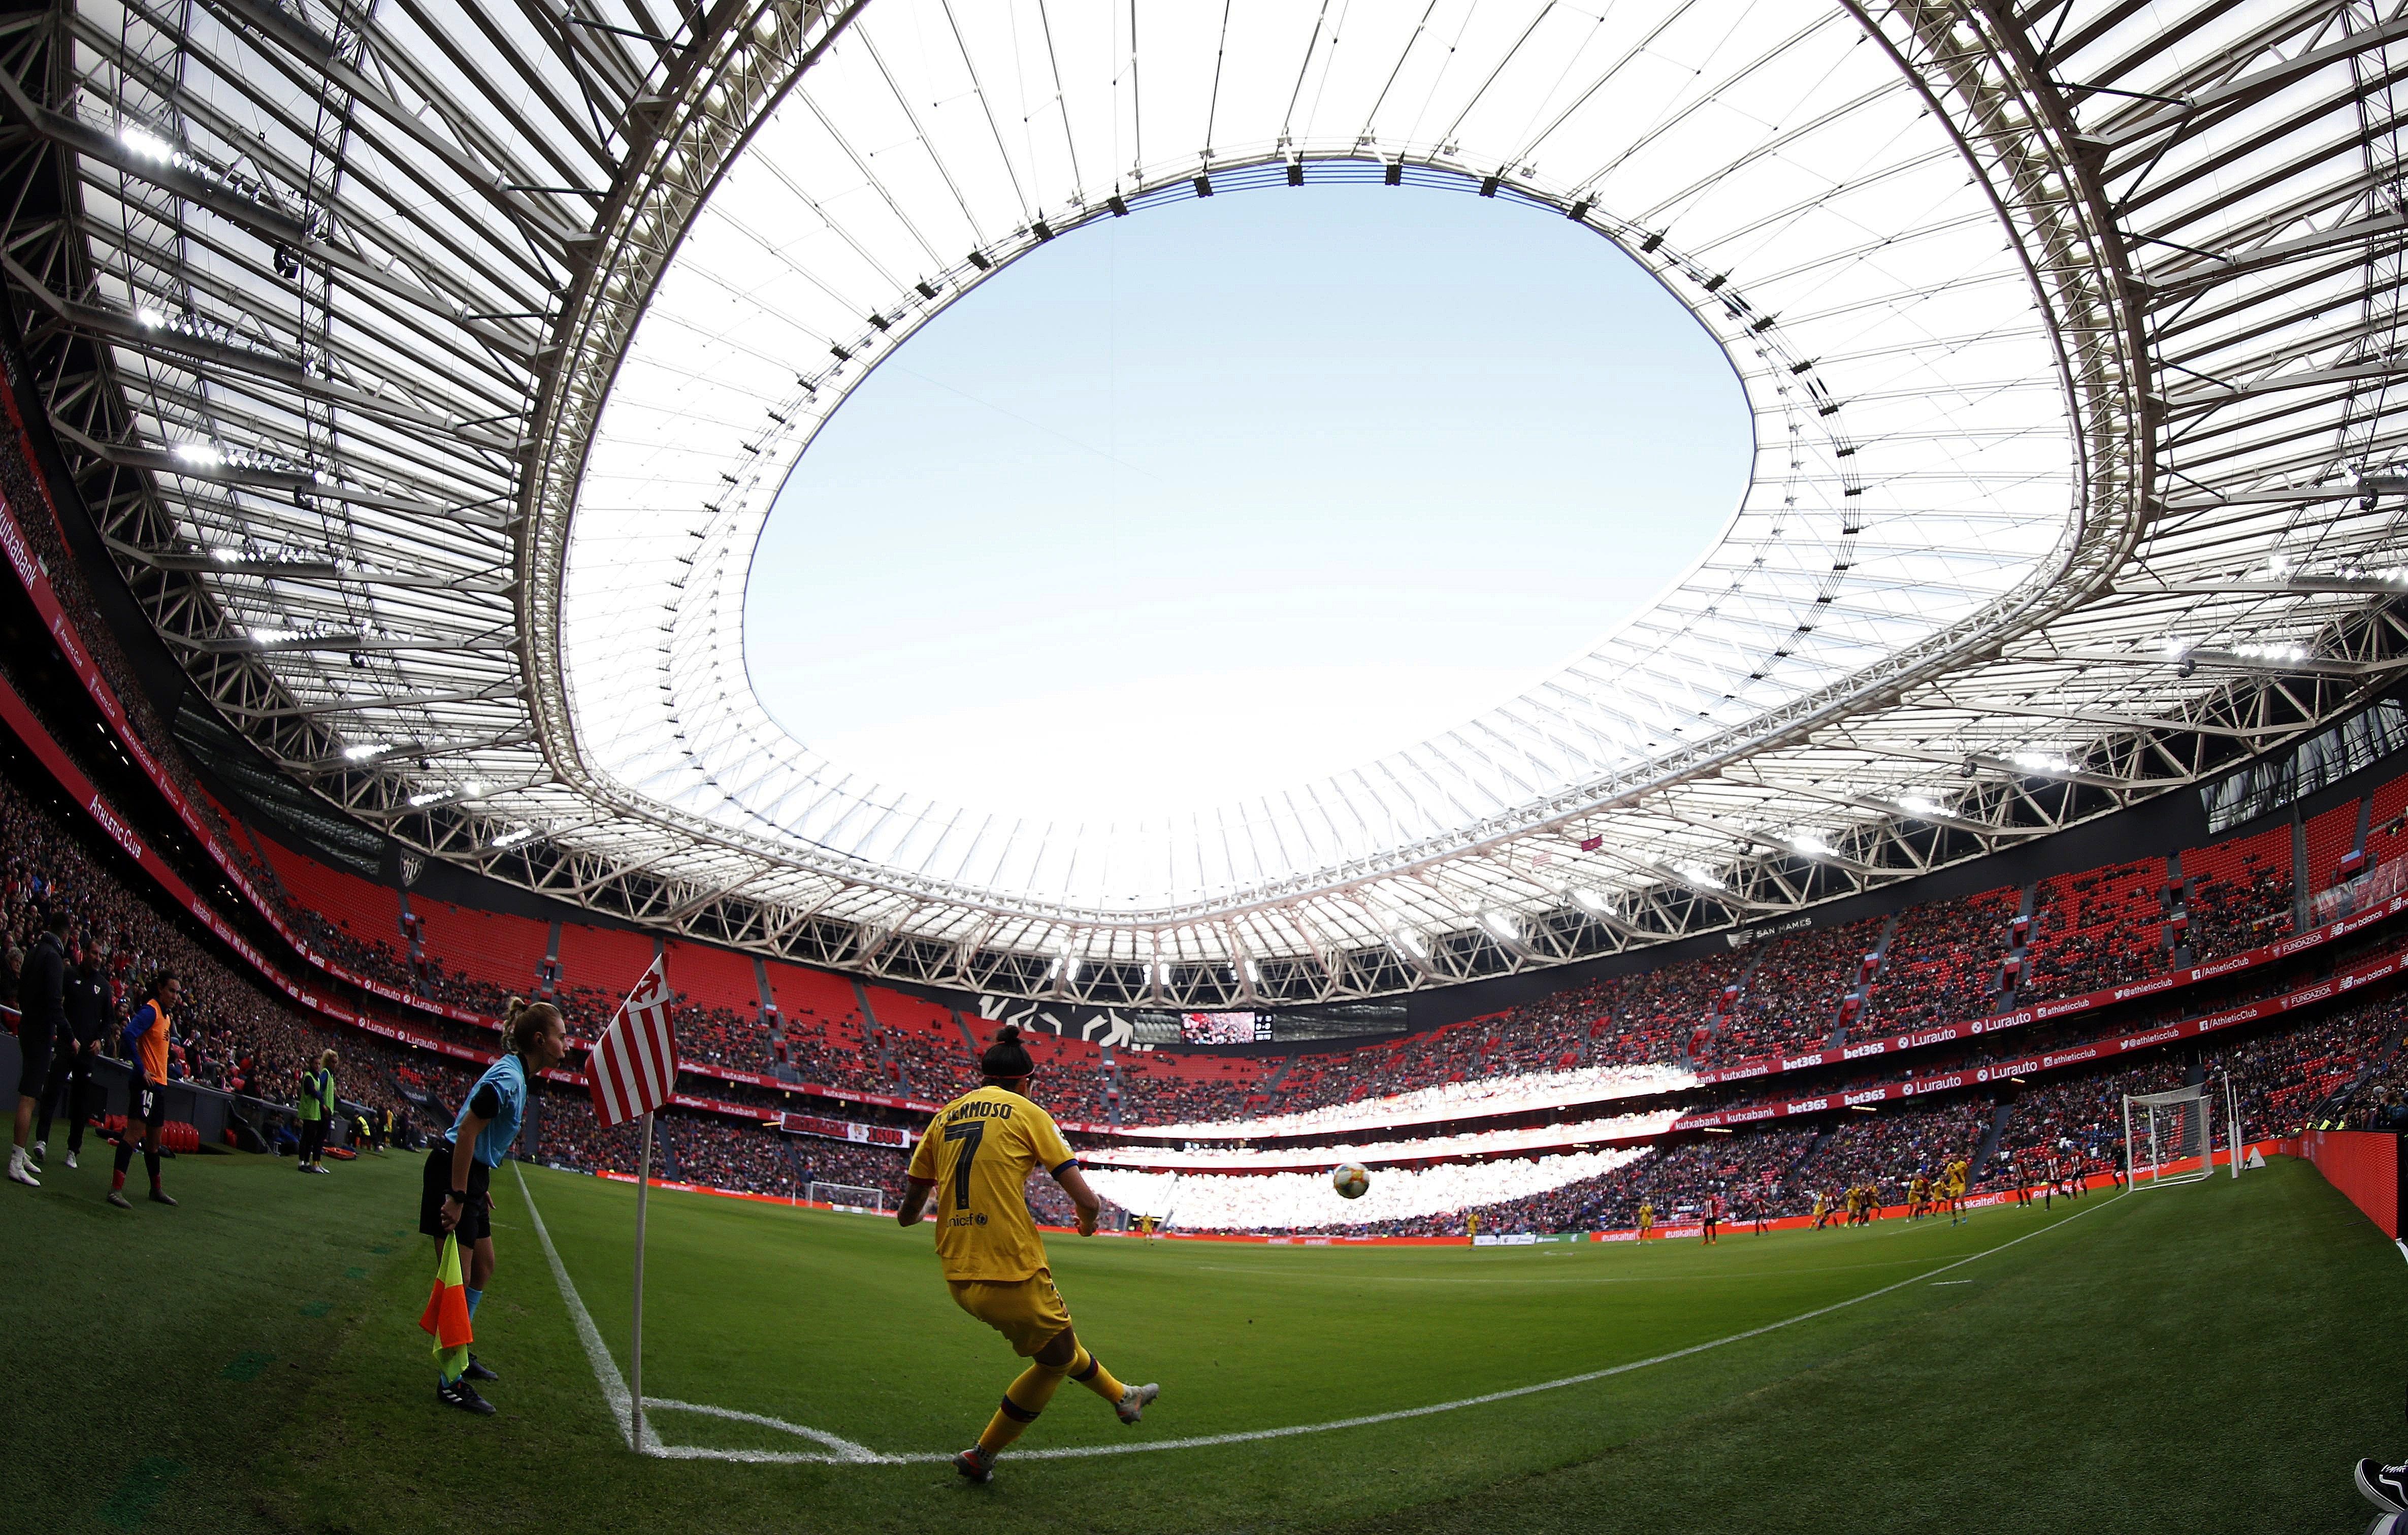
(976, 1157)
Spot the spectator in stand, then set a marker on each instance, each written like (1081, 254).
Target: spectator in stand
(1941, 965)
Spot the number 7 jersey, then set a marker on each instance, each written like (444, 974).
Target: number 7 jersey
(979, 1152)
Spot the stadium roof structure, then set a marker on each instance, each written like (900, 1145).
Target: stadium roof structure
(429, 368)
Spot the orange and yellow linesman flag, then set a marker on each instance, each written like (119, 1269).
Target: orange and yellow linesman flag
(447, 1313)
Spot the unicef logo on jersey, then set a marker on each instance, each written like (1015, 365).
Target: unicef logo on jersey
(981, 1218)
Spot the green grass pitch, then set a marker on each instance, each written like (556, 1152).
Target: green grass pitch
(2208, 1358)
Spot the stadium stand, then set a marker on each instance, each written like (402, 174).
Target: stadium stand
(2097, 928)
(2330, 836)
(600, 965)
(1792, 999)
(2091, 927)
(2239, 893)
(1941, 964)
(500, 954)
(231, 1034)
(825, 1034)
(1173, 1088)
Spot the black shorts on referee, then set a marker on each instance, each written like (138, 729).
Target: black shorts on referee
(476, 1220)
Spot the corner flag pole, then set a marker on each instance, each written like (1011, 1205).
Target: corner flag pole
(635, 1343)
(632, 1071)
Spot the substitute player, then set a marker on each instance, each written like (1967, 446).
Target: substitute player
(146, 1088)
(454, 1196)
(977, 1155)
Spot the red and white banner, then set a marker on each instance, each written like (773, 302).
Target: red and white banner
(633, 1068)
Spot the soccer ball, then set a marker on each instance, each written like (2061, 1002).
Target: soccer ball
(1350, 1180)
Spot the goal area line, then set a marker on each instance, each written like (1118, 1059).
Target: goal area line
(836, 1450)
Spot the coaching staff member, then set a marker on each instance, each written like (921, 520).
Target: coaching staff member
(41, 1018)
(87, 1025)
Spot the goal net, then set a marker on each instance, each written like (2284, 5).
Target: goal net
(2169, 1136)
(847, 1196)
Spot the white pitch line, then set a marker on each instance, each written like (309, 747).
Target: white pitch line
(605, 1369)
(855, 1454)
(846, 1450)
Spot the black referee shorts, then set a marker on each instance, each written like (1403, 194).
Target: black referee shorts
(476, 1220)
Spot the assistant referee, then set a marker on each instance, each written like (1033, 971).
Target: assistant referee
(454, 1199)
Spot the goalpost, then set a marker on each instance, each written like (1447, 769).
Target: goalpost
(846, 1197)
(2162, 1130)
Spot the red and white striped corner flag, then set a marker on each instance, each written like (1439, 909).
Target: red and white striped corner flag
(634, 1066)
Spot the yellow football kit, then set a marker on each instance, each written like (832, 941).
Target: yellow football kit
(979, 1152)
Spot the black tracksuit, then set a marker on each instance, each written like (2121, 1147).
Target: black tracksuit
(40, 1012)
(86, 1005)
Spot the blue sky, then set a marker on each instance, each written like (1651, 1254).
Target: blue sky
(1235, 493)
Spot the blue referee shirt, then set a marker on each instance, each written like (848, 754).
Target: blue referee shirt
(508, 1077)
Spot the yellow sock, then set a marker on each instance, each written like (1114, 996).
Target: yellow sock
(1089, 1372)
(1021, 1401)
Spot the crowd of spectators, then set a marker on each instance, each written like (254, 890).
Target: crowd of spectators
(1486, 1096)
(229, 1033)
(817, 1161)
(1941, 965)
(1289, 1202)
(2286, 1080)
(727, 1153)
(842, 1054)
(1157, 1088)
(2103, 928)
(723, 1036)
(2238, 912)
(1584, 1019)
(1792, 998)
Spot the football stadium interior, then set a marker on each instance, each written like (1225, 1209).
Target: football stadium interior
(1894, 1025)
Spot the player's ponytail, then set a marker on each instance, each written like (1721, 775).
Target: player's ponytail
(525, 1022)
(1006, 1058)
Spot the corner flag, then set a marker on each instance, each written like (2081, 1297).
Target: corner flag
(634, 1066)
(632, 1070)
